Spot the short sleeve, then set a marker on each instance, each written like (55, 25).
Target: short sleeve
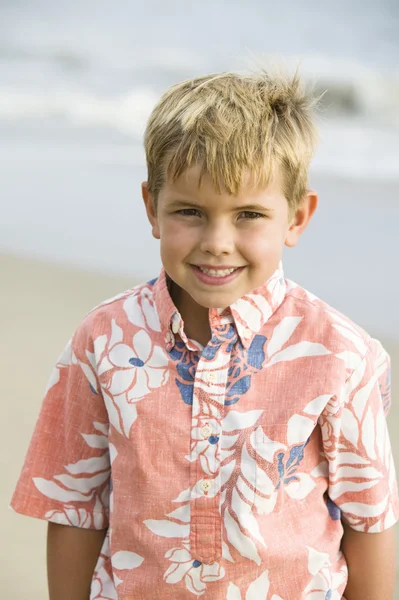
(66, 473)
(361, 472)
(382, 364)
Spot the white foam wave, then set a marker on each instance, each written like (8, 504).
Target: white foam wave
(356, 149)
(356, 146)
(126, 113)
(353, 88)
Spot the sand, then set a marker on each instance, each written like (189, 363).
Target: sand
(41, 305)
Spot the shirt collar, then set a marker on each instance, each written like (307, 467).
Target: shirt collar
(249, 313)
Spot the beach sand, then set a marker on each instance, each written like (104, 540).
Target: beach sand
(41, 306)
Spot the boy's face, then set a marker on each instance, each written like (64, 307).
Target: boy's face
(218, 247)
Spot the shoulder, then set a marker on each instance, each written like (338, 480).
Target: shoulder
(324, 324)
(132, 307)
(329, 320)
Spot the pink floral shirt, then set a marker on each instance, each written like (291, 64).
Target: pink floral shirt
(224, 471)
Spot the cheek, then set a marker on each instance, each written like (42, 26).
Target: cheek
(261, 244)
(176, 238)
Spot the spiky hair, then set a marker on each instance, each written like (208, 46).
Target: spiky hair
(231, 125)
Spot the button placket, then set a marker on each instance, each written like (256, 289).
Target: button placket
(206, 521)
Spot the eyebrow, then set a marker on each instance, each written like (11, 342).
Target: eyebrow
(245, 207)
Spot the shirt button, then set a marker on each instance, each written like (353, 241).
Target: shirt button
(211, 377)
(206, 431)
(205, 486)
(247, 333)
(175, 327)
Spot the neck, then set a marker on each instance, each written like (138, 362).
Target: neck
(195, 316)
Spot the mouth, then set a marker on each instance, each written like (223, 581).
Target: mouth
(216, 275)
(217, 271)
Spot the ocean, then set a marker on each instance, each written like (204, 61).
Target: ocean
(79, 80)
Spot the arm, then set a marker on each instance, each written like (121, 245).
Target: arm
(72, 553)
(371, 564)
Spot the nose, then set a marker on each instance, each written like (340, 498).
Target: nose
(217, 240)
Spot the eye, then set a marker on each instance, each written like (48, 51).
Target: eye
(247, 214)
(189, 212)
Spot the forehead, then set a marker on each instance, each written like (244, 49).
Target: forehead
(191, 186)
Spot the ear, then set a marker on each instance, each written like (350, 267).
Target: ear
(151, 210)
(302, 217)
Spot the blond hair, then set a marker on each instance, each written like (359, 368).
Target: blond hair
(232, 124)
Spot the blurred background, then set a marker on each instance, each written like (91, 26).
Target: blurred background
(77, 82)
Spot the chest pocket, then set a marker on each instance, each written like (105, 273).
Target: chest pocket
(282, 471)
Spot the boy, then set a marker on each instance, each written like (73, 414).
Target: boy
(242, 418)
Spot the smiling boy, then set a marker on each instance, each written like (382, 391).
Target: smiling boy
(221, 431)
(217, 247)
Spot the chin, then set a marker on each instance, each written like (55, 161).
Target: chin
(217, 301)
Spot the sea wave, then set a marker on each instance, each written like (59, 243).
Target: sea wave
(359, 117)
(354, 89)
(126, 113)
(350, 87)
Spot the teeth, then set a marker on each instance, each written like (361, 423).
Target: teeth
(217, 272)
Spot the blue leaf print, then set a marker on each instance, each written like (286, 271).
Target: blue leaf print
(296, 454)
(280, 458)
(175, 354)
(256, 354)
(226, 333)
(243, 363)
(293, 478)
(184, 372)
(240, 387)
(210, 351)
(186, 391)
(287, 472)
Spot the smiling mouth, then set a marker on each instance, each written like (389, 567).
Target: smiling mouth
(217, 272)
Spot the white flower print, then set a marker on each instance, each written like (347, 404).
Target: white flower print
(140, 310)
(357, 446)
(103, 587)
(139, 368)
(325, 584)
(79, 517)
(75, 488)
(281, 334)
(127, 373)
(196, 574)
(257, 590)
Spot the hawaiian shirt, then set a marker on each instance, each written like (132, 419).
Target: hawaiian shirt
(222, 471)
